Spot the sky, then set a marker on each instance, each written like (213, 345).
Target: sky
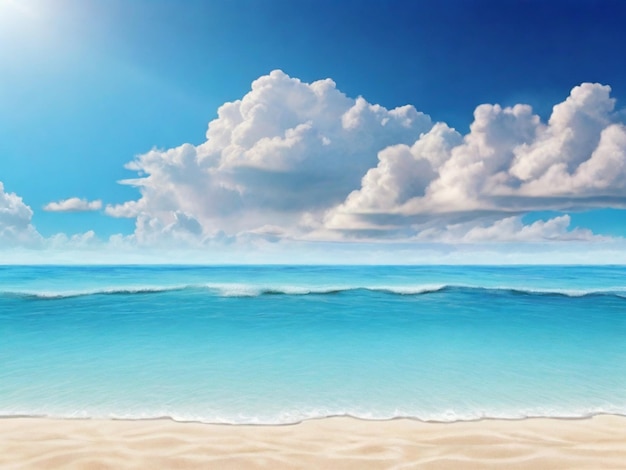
(459, 131)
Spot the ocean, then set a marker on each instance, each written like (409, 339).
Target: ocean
(282, 344)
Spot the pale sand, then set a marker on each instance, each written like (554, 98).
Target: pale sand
(334, 443)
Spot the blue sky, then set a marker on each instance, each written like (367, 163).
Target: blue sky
(88, 86)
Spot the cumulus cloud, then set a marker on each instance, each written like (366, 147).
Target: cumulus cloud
(295, 160)
(73, 204)
(286, 149)
(509, 163)
(15, 221)
(403, 173)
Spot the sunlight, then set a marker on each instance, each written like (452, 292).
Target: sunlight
(12, 13)
(15, 13)
(22, 22)
(7, 7)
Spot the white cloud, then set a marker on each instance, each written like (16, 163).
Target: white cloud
(73, 204)
(17, 232)
(509, 229)
(295, 160)
(79, 240)
(285, 149)
(571, 136)
(510, 163)
(15, 221)
(402, 174)
(474, 243)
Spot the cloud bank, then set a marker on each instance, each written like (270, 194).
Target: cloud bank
(509, 163)
(297, 171)
(302, 161)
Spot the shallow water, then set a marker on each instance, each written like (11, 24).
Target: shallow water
(278, 344)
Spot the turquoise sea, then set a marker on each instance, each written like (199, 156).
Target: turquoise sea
(280, 344)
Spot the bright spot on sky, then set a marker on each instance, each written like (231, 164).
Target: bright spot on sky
(17, 11)
(21, 22)
(8, 6)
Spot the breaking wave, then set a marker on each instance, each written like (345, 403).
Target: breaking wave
(253, 290)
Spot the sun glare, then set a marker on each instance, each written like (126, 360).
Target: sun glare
(21, 21)
(7, 6)
(17, 10)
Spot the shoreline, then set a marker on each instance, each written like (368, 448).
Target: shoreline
(334, 442)
(172, 419)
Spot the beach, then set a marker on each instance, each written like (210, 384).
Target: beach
(338, 443)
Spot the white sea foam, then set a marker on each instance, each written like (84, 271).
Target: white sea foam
(109, 290)
(410, 290)
(255, 290)
(287, 417)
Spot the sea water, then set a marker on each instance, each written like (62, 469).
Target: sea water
(280, 344)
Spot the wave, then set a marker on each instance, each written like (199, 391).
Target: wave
(252, 290)
(51, 295)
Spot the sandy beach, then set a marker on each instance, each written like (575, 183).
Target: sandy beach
(337, 443)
